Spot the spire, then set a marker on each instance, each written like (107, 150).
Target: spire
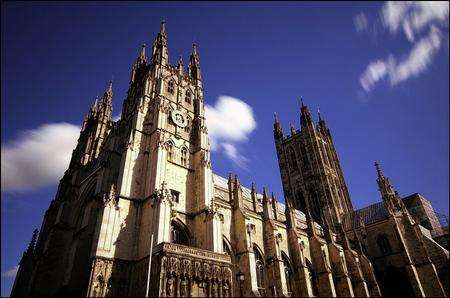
(322, 124)
(277, 129)
(194, 64)
(292, 129)
(162, 28)
(142, 59)
(390, 196)
(267, 209)
(32, 243)
(305, 115)
(160, 54)
(106, 104)
(253, 195)
(180, 65)
(274, 205)
(379, 172)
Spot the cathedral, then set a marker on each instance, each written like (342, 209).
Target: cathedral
(139, 211)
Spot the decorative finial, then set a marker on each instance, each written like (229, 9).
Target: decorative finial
(377, 166)
(301, 101)
(275, 116)
(318, 112)
(163, 26)
(143, 51)
(264, 192)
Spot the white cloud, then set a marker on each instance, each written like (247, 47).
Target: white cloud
(231, 152)
(38, 157)
(229, 121)
(374, 72)
(11, 273)
(418, 60)
(414, 16)
(360, 21)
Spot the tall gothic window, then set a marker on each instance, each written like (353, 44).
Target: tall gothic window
(287, 272)
(187, 128)
(260, 272)
(315, 204)
(183, 156)
(188, 97)
(170, 151)
(301, 201)
(171, 87)
(304, 155)
(293, 159)
(384, 245)
(178, 234)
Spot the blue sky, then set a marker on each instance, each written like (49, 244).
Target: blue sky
(379, 73)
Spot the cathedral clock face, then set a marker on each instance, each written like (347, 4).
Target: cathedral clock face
(178, 118)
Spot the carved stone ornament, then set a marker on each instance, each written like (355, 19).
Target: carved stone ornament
(178, 118)
(111, 195)
(162, 194)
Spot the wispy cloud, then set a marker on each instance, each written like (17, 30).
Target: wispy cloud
(11, 273)
(413, 18)
(418, 60)
(38, 157)
(360, 21)
(231, 152)
(229, 122)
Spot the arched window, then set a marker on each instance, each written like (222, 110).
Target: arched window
(184, 156)
(312, 278)
(187, 128)
(293, 159)
(384, 245)
(287, 272)
(170, 151)
(171, 86)
(188, 97)
(301, 201)
(304, 155)
(260, 272)
(315, 204)
(178, 234)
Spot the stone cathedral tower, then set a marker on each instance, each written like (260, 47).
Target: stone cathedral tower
(149, 176)
(310, 170)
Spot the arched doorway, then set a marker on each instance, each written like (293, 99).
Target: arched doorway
(179, 233)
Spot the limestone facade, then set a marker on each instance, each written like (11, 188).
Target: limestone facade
(149, 176)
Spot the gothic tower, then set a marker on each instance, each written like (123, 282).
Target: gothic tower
(310, 170)
(146, 176)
